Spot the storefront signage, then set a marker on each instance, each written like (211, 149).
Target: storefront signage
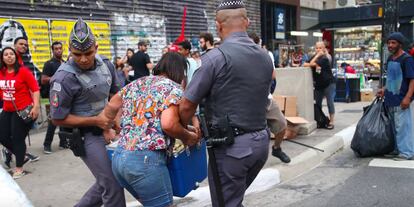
(280, 23)
(41, 32)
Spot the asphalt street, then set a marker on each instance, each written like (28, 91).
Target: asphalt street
(344, 181)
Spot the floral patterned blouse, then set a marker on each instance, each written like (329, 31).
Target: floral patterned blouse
(142, 104)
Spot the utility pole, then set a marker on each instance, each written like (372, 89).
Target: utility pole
(390, 24)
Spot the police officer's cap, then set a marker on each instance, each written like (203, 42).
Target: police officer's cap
(231, 4)
(397, 36)
(81, 37)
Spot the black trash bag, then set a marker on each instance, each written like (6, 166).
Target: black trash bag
(322, 121)
(374, 134)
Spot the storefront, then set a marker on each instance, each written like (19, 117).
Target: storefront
(354, 34)
(359, 47)
(278, 19)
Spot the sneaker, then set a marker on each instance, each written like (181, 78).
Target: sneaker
(47, 150)
(392, 154)
(401, 157)
(17, 175)
(277, 152)
(32, 158)
(63, 147)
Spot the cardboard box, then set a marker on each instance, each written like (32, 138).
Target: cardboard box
(367, 96)
(290, 106)
(280, 100)
(293, 126)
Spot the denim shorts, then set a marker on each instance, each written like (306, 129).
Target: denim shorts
(145, 175)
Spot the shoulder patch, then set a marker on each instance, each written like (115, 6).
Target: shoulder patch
(57, 87)
(55, 100)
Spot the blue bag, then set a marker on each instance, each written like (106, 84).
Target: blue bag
(187, 169)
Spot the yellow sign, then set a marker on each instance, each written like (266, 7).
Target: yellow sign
(37, 32)
(60, 30)
(40, 37)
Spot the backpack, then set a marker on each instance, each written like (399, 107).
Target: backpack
(322, 121)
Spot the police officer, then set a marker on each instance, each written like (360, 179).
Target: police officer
(79, 92)
(235, 79)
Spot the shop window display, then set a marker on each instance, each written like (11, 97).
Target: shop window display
(360, 48)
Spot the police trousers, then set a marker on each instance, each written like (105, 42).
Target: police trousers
(106, 190)
(238, 165)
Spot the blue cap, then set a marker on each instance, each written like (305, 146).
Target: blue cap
(398, 36)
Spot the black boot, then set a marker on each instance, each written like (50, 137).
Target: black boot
(277, 152)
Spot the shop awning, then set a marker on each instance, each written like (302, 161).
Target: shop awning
(359, 16)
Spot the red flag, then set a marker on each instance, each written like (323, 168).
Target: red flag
(182, 35)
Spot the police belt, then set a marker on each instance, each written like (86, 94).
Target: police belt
(92, 129)
(237, 131)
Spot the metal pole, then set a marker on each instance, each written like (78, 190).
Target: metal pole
(305, 145)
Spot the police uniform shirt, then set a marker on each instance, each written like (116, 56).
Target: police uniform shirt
(65, 87)
(202, 81)
(207, 78)
(215, 77)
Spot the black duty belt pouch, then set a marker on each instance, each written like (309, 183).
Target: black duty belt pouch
(75, 141)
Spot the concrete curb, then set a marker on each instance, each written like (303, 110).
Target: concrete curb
(310, 158)
(280, 173)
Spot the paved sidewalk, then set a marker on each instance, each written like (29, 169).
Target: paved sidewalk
(60, 179)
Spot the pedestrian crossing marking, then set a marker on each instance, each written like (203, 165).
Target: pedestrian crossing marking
(390, 163)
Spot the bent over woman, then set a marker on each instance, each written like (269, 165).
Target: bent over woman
(149, 117)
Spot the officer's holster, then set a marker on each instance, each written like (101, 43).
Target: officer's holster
(74, 139)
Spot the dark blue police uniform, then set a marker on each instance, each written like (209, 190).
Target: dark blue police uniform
(85, 93)
(235, 80)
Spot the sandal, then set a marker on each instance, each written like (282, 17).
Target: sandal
(330, 126)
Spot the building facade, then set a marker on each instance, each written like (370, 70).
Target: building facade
(124, 22)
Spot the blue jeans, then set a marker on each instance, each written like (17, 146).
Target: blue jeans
(329, 93)
(403, 130)
(145, 175)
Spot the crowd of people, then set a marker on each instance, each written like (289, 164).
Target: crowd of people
(145, 107)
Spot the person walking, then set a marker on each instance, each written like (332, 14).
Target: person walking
(49, 69)
(80, 89)
(184, 48)
(235, 80)
(275, 119)
(21, 46)
(324, 81)
(398, 95)
(141, 62)
(20, 93)
(150, 104)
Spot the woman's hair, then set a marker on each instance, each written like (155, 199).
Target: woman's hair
(128, 58)
(130, 49)
(116, 63)
(173, 65)
(3, 65)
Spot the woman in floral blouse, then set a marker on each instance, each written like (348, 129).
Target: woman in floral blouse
(149, 116)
